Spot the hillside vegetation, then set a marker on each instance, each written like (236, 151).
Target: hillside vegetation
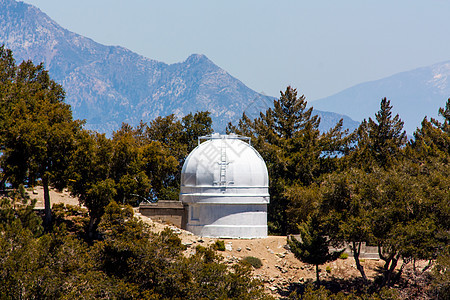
(368, 186)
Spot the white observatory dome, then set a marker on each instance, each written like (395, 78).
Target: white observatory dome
(224, 182)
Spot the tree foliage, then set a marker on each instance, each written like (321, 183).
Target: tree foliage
(387, 193)
(368, 186)
(345, 207)
(36, 127)
(379, 142)
(127, 262)
(295, 151)
(432, 139)
(141, 163)
(313, 245)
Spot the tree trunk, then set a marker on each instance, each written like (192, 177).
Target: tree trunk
(48, 209)
(317, 275)
(430, 263)
(92, 228)
(389, 268)
(391, 271)
(356, 252)
(400, 272)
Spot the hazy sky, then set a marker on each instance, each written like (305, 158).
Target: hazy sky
(319, 47)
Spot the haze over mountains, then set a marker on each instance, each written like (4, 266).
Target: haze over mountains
(413, 94)
(108, 85)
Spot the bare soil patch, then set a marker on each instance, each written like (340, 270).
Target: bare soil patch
(55, 197)
(280, 269)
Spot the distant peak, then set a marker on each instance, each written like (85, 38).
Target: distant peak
(13, 3)
(194, 58)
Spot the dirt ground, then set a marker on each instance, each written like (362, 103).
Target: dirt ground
(280, 268)
(55, 197)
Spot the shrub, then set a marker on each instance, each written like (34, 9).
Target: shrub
(343, 255)
(219, 245)
(254, 261)
(328, 269)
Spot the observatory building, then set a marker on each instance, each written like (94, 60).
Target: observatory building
(225, 186)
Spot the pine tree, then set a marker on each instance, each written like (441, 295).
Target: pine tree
(296, 153)
(432, 139)
(379, 141)
(313, 245)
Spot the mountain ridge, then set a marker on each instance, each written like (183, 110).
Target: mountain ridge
(414, 94)
(108, 85)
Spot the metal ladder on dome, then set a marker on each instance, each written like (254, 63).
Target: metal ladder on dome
(223, 166)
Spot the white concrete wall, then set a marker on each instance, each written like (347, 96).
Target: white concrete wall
(228, 220)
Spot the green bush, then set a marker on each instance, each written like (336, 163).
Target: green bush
(343, 255)
(254, 261)
(219, 245)
(328, 269)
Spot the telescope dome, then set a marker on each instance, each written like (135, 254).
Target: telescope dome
(225, 184)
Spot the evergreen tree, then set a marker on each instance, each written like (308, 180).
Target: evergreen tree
(36, 128)
(405, 216)
(176, 138)
(313, 246)
(194, 126)
(346, 210)
(90, 174)
(432, 139)
(296, 153)
(379, 142)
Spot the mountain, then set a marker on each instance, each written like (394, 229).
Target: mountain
(414, 94)
(108, 85)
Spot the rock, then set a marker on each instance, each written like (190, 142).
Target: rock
(200, 240)
(280, 255)
(282, 270)
(248, 248)
(273, 288)
(229, 246)
(238, 249)
(175, 230)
